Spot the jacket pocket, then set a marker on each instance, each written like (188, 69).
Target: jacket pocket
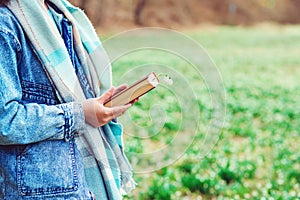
(47, 168)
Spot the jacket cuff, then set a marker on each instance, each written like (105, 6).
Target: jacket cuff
(74, 119)
(79, 119)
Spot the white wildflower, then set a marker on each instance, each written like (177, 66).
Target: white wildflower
(168, 80)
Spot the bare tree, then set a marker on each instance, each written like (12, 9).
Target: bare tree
(138, 11)
(84, 5)
(101, 15)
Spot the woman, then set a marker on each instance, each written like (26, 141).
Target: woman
(57, 140)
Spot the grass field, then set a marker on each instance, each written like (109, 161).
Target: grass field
(258, 152)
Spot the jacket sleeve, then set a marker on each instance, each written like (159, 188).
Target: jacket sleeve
(28, 123)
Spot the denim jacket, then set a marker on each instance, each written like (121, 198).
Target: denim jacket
(38, 155)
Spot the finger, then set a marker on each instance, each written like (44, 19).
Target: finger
(108, 94)
(120, 110)
(120, 88)
(134, 101)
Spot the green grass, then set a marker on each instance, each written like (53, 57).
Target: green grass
(257, 154)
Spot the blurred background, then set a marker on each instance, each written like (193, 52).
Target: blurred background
(255, 45)
(177, 13)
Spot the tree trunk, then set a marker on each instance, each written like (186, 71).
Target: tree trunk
(138, 11)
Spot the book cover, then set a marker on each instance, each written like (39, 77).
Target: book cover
(134, 91)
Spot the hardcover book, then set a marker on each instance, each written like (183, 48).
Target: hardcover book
(134, 91)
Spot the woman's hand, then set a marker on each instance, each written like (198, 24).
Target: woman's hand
(96, 114)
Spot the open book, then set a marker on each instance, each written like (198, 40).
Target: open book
(134, 91)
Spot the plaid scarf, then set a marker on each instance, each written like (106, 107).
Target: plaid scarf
(101, 148)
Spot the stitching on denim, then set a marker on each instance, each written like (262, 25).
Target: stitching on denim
(68, 121)
(74, 166)
(38, 192)
(38, 92)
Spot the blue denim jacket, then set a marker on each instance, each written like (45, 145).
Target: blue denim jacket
(38, 155)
